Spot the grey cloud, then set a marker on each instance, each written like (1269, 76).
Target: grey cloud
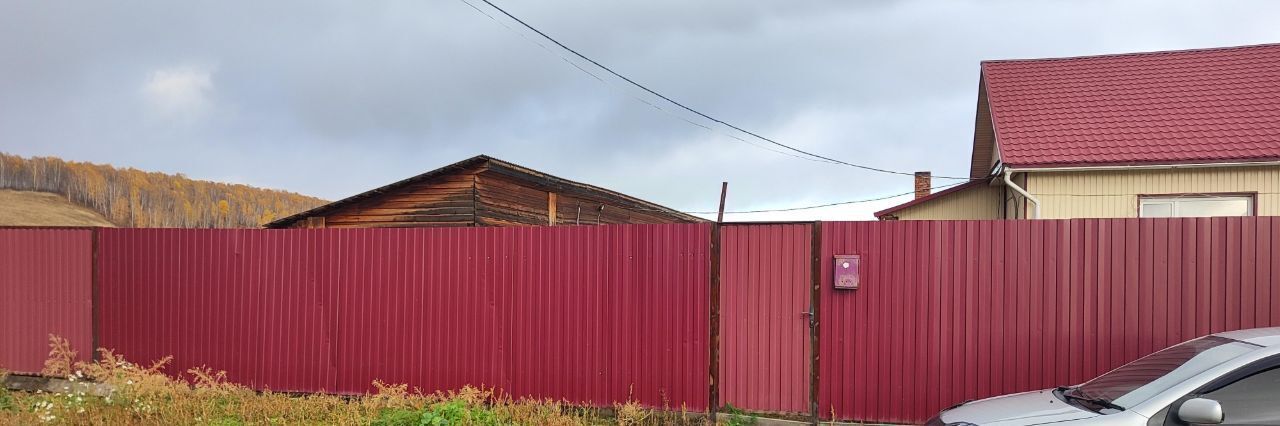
(331, 98)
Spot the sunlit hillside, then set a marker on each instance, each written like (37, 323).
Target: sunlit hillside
(30, 208)
(135, 198)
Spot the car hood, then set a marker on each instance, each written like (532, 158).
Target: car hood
(1028, 408)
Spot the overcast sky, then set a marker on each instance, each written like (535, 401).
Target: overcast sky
(333, 98)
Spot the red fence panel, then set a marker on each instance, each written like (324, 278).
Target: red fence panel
(593, 315)
(46, 279)
(945, 312)
(764, 337)
(950, 311)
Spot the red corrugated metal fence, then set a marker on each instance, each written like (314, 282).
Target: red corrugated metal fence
(953, 311)
(945, 312)
(46, 280)
(592, 315)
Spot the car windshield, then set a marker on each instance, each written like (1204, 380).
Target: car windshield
(1140, 380)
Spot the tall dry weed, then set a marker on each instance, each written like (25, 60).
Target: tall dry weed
(61, 359)
(143, 394)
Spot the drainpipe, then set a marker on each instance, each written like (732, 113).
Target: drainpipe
(1009, 182)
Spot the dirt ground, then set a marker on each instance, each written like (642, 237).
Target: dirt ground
(25, 208)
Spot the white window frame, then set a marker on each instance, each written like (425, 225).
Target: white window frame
(1176, 199)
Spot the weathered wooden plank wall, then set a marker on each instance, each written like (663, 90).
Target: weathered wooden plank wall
(491, 194)
(447, 200)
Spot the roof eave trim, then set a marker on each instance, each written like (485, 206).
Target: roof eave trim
(995, 130)
(1137, 166)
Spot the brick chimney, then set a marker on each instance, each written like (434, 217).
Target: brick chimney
(924, 181)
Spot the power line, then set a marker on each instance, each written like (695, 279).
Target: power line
(1187, 195)
(699, 113)
(788, 209)
(632, 96)
(840, 203)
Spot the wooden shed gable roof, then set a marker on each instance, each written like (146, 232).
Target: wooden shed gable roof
(534, 177)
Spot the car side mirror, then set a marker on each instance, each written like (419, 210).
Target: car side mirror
(1200, 411)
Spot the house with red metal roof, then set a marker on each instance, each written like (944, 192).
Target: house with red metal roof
(1190, 133)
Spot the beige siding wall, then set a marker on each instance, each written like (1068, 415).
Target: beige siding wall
(1097, 194)
(979, 202)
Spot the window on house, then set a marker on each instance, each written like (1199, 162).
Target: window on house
(1196, 206)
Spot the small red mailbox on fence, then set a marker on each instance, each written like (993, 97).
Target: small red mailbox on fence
(847, 276)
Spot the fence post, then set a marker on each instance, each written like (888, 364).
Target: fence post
(814, 322)
(713, 396)
(95, 296)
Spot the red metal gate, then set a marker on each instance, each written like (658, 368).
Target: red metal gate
(764, 327)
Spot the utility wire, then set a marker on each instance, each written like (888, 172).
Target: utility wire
(613, 86)
(788, 209)
(1188, 195)
(815, 157)
(683, 106)
(841, 203)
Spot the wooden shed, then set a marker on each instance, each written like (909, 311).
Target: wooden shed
(483, 191)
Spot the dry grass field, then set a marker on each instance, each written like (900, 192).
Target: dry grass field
(26, 208)
(139, 394)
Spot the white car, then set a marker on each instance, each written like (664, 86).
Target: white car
(1230, 378)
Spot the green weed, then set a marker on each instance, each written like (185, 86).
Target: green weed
(736, 417)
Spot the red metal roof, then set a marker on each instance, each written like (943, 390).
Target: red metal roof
(1191, 106)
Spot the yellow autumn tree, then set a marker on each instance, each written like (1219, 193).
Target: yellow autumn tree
(131, 197)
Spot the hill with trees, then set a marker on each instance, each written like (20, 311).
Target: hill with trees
(135, 198)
